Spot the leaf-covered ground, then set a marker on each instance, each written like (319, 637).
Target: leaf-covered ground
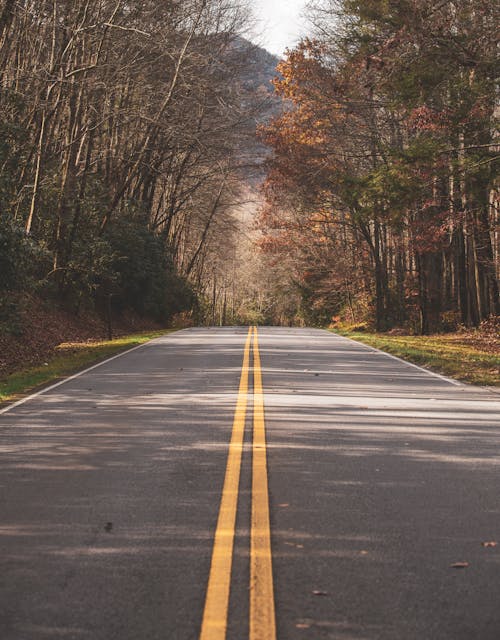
(31, 333)
(469, 356)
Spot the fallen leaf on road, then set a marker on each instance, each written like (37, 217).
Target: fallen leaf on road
(285, 504)
(459, 565)
(320, 593)
(301, 625)
(490, 544)
(364, 553)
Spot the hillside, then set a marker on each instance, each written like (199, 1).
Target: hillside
(260, 100)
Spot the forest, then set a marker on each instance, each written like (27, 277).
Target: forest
(145, 163)
(381, 197)
(125, 129)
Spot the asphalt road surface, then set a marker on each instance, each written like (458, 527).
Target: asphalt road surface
(192, 489)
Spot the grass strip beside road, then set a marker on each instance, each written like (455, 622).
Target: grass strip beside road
(69, 358)
(449, 355)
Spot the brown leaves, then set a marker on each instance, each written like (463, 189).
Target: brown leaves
(489, 545)
(459, 565)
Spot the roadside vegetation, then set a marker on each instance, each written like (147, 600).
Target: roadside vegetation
(136, 137)
(381, 199)
(472, 357)
(68, 359)
(127, 133)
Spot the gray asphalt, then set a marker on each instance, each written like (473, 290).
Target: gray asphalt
(381, 477)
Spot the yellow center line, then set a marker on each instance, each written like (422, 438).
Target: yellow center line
(262, 612)
(214, 623)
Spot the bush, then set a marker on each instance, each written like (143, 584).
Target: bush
(15, 260)
(16, 253)
(142, 274)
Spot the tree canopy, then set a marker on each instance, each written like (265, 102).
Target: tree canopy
(383, 185)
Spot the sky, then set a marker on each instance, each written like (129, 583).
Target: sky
(280, 24)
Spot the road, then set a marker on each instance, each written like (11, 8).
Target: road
(166, 495)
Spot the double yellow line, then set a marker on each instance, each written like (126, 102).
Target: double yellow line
(262, 614)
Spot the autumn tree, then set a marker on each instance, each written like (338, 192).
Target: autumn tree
(387, 154)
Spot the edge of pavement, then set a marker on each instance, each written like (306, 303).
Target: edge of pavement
(49, 386)
(456, 383)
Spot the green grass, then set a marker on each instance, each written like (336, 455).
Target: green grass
(451, 355)
(69, 359)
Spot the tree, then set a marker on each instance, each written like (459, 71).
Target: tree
(387, 151)
(118, 116)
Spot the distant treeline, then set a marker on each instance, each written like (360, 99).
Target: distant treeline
(382, 194)
(120, 122)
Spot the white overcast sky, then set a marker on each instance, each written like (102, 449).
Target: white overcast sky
(279, 23)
